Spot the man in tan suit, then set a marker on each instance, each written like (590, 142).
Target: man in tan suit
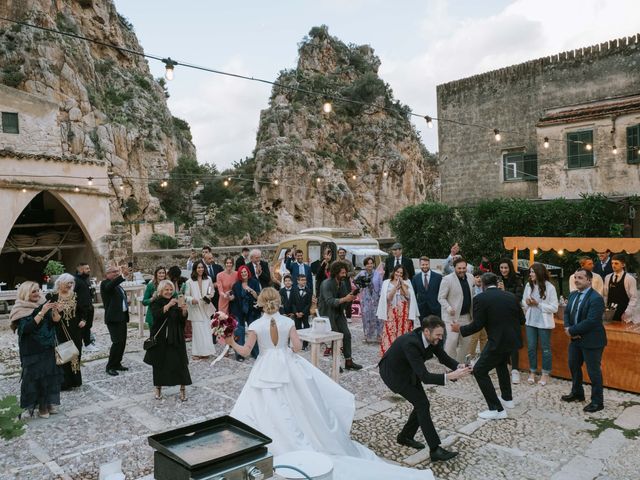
(456, 299)
(597, 283)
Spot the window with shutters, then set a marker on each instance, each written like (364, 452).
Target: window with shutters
(633, 144)
(580, 149)
(517, 166)
(10, 123)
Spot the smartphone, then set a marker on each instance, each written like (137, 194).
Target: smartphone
(467, 360)
(355, 291)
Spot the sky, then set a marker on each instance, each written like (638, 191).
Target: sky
(421, 44)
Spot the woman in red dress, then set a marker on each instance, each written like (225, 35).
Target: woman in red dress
(397, 307)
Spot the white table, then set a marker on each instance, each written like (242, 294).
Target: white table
(315, 339)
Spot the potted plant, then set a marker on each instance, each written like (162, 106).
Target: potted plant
(52, 271)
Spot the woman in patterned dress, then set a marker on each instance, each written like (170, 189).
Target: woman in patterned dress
(397, 307)
(369, 300)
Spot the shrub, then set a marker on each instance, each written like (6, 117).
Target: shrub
(10, 425)
(53, 268)
(163, 241)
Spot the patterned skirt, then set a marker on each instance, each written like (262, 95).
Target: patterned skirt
(397, 324)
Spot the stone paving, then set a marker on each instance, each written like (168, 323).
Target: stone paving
(109, 418)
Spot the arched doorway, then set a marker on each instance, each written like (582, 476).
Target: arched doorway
(44, 230)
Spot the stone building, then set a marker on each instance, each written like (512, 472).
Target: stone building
(53, 206)
(569, 124)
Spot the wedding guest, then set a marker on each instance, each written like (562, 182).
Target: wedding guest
(179, 285)
(159, 274)
(342, 256)
(70, 326)
(426, 284)
(259, 268)
(168, 358)
(397, 307)
(84, 295)
(225, 281)
(193, 257)
(34, 322)
(302, 296)
(243, 259)
(620, 290)
(603, 265)
(199, 298)
(369, 281)
(485, 265)
(540, 302)
(324, 269)
(245, 293)
(213, 269)
(509, 281)
(480, 337)
(597, 284)
(116, 315)
(281, 268)
(286, 297)
(395, 259)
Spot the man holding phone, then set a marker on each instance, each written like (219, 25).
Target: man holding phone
(116, 315)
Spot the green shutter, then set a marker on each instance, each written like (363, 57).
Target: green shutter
(633, 144)
(10, 123)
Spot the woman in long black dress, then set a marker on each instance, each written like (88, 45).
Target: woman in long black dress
(169, 357)
(509, 281)
(35, 324)
(73, 320)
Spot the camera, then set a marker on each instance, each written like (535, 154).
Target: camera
(362, 282)
(49, 296)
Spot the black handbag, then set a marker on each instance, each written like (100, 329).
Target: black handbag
(151, 342)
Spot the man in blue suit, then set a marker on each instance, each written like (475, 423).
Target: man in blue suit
(583, 324)
(426, 284)
(298, 268)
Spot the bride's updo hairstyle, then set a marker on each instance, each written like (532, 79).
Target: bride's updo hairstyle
(269, 300)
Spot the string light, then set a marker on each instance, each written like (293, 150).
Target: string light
(588, 147)
(76, 189)
(497, 135)
(229, 179)
(169, 66)
(560, 252)
(197, 183)
(226, 183)
(535, 251)
(385, 174)
(327, 107)
(318, 180)
(90, 181)
(353, 177)
(276, 182)
(429, 121)
(546, 142)
(121, 187)
(614, 150)
(164, 183)
(24, 190)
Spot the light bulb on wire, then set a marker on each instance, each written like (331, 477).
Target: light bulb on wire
(497, 135)
(76, 189)
(327, 107)
(276, 182)
(169, 66)
(24, 190)
(546, 142)
(429, 121)
(614, 150)
(90, 181)
(588, 147)
(353, 177)
(226, 183)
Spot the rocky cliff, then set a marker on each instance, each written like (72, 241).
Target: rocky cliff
(110, 105)
(353, 167)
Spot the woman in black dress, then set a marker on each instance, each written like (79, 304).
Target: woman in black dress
(169, 357)
(509, 281)
(74, 320)
(35, 324)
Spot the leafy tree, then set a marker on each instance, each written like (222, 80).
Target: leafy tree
(10, 424)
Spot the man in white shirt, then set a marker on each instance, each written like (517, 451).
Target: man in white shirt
(596, 283)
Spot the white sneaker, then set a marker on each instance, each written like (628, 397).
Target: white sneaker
(515, 377)
(506, 403)
(493, 415)
(91, 348)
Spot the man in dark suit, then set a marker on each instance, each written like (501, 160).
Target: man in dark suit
(603, 266)
(426, 284)
(583, 324)
(287, 297)
(243, 258)
(397, 259)
(501, 315)
(302, 299)
(116, 315)
(259, 268)
(84, 298)
(402, 368)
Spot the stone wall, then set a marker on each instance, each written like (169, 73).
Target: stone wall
(514, 99)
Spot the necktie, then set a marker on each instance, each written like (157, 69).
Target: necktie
(615, 278)
(302, 293)
(426, 282)
(574, 307)
(288, 294)
(397, 262)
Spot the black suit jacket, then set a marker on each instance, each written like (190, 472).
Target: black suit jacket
(588, 324)
(603, 272)
(265, 276)
(112, 297)
(403, 363)
(286, 304)
(407, 263)
(501, 315)
(302, 304)
(428, 303)
(240, 261)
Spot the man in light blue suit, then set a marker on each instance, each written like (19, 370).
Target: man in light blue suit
(583, 324)
(426, 284)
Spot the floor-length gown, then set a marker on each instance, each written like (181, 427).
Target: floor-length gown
(200, 317)
(300, 408)
(68, 328)
(398, 322)
(369, 298)
(225, 283)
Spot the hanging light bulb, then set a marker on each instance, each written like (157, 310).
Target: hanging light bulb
(327, 107)
(318, 180)
(276, 182)
(546, 142)
(226, 183)
(164, 183)
(197, 183)
(353, 177)
(169, 66)
(535, 251)
(385, 174)
(614, 150)
(24, 190)
(76, 189)
(429, 121)
(121, 187)
(229, 179)
(90, 181)
(497, 135)
(561, 252)
(588, 147)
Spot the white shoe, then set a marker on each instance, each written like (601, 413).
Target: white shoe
(493, 415)
(91, 348)
(506, 403)
(515, 377)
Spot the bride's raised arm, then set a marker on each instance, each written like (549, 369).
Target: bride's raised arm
(296, 343)
(244, 350)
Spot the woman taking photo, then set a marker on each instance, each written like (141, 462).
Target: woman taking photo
(397, 307)
(199, 294)
(159, 275)
(225, 281)
(34, 322)
(245, 293)
(540, 302)
(323, 270)
(509, 281)
(169, 357)
(179, 285)
(369, 281)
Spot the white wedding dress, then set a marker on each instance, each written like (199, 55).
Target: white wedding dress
(300, 408)
(200, 316)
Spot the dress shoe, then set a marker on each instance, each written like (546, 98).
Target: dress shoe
(351, 365)
(493, 415)
(112, 372)
(121, 368)
(572, 397)
(440, 454)
(593, 407)
(409, 442)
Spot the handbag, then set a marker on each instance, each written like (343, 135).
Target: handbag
(151, 342)
(66, 351)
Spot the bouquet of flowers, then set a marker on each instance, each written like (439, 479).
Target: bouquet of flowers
(222, 326)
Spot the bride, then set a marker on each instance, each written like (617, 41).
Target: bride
(298, 406)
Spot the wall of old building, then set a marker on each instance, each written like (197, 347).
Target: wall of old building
(513, 99)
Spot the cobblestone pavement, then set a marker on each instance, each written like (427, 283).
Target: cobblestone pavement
(110, 418)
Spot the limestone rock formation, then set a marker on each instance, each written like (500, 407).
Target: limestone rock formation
(110, 105)
(354, 167)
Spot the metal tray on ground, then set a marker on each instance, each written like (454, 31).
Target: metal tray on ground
(212, 441)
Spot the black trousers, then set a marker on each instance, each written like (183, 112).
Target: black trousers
(488, 361)
(340, 325)
(86, 331)
(592, 357)
(118, 334)
(420, 416)
(300, 324)
(515, 359)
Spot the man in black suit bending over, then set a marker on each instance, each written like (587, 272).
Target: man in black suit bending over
(402, 369)
(498, 312)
